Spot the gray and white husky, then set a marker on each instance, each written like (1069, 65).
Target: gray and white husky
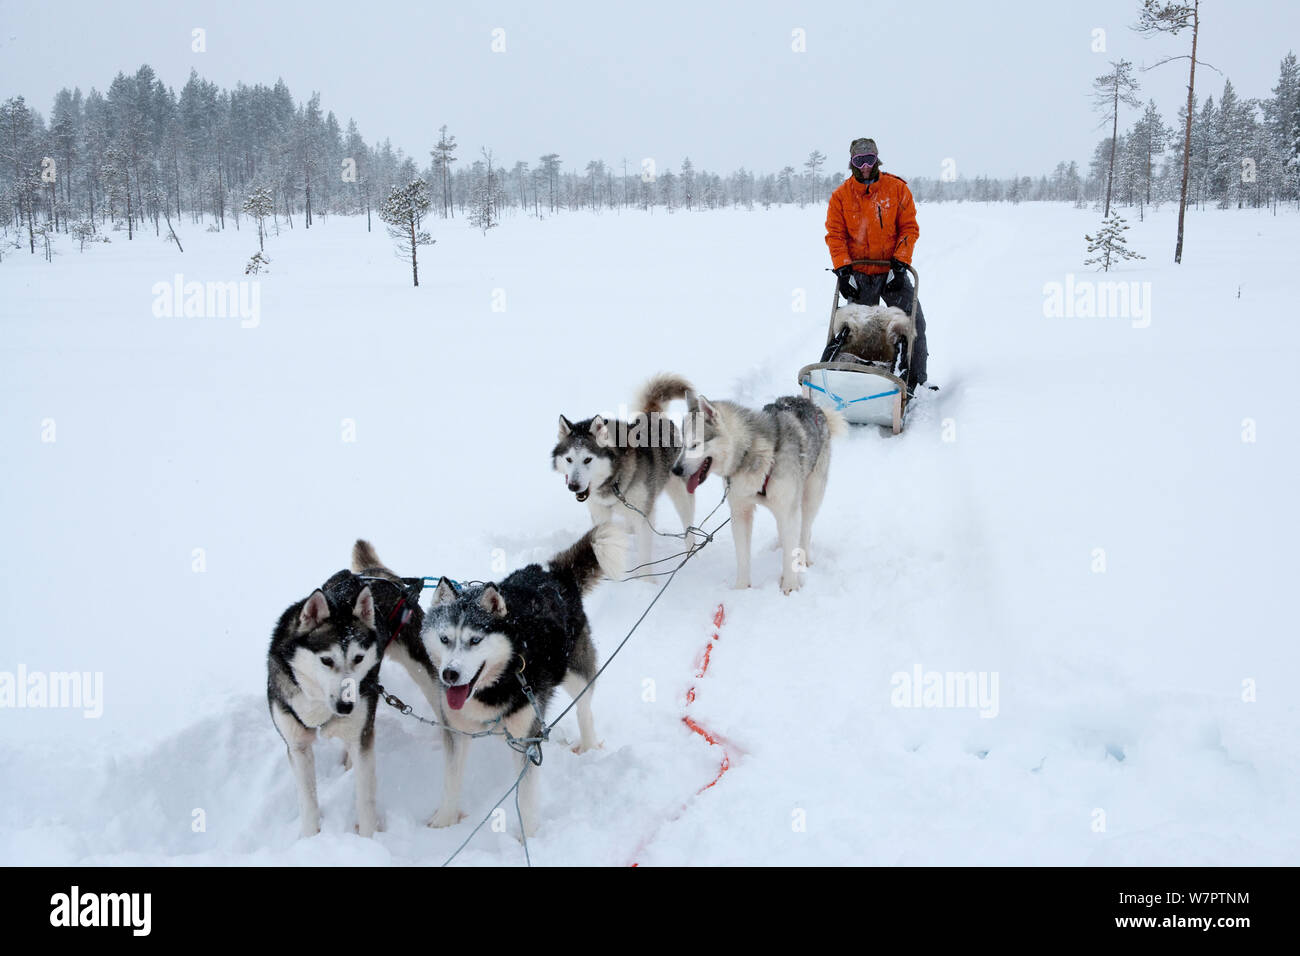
(777, 457)
(482, 637)
(601, 459)
(323, 675)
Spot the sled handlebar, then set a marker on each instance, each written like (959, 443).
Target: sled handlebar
(916, 285)
(916, 279)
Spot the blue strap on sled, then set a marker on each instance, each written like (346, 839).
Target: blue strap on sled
(840, 403)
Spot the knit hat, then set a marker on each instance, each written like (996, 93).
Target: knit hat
(860, 146)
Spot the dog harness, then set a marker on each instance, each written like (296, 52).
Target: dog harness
(410, 589)
(406, 616)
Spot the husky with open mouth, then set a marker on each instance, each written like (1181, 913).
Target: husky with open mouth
(482, 638)
(601, 459)
(778, 457)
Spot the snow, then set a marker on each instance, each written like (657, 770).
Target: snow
(967, 544)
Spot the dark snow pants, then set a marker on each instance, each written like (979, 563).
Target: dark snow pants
(897, 291)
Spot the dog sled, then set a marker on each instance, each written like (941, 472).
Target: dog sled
(866, 391)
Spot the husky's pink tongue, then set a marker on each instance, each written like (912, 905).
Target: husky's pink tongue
(456, 696)
(701, 473)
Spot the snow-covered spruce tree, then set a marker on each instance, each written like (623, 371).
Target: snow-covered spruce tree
(481, 214)
(401, 213)
(442, 160)
(1109, 243)
(82, 230)
(1147, 140)
(43, 231)
(1293, 157)
(486, 195)
(687, 178)
(260, 205)
(813, 164)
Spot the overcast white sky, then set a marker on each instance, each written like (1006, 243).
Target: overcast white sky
(1000, 87)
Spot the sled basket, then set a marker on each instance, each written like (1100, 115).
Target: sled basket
(865, 393)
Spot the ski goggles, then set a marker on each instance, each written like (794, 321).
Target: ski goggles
(863, 159)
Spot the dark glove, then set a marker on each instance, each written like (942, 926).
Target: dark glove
(847, 287)
(899, 267)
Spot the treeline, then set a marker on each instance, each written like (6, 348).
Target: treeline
(142, 156)
(140, 153)
(1245, 152)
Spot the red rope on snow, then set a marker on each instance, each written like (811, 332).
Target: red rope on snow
(714, 740)
(719, 617)
(717, 742)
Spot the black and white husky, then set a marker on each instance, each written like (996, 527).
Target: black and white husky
(601, 459)
(778, 457)
(532, 624)
(323, 675)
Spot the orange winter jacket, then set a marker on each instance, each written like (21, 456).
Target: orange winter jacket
(871, 221)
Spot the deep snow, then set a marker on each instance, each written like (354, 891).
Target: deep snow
(966, 544)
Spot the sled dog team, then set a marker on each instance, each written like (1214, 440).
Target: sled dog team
(465, 653)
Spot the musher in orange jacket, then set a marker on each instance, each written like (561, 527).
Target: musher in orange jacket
(872, 216)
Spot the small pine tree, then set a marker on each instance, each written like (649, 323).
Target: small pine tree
(482, 213)
(401, 213)
(486, 195)
(258, 264)
(1109, 243)
(259, 205)
(82, 230)
(42, 232)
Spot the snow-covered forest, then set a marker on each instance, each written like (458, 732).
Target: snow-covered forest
(141, 154)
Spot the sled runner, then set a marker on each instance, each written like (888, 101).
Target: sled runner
(865, 391)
